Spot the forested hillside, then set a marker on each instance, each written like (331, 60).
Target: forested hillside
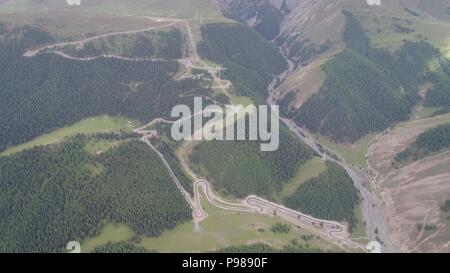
(120, 247)
(54, 194)
(239, 168)
(24, 37)
(439, 95)
(267, 18)
(3, 29)
(294, 247)
(167, 146)
(151, 44)
(330, 196)
(432, 141)
(49, 91)
(357, 98)
(446, 206)
(354, 35)
(250, 60)
(366, 89)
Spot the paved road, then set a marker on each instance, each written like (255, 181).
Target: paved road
(146, 136)
(193, 61)
(334, 231)
(106, 56)
(34, 52)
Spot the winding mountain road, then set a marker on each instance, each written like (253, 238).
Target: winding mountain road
(190, 62)
(330, 230)
(33, 52)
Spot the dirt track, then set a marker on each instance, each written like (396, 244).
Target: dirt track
(382, 152)
(413, 196)
(413, 193)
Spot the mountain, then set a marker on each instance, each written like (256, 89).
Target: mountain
(313, 36)
(371, 82)
(364, 92)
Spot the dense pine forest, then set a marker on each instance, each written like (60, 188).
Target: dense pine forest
(430, 142)
(446, 206)
(151, 44)
(250, 60)
(54, 194)
(294, 247)
(167, 147)
(239, 168)
(439, 94)
(120, 247)
(59, 91)
(3, 29)
(366, 89)
(354, 35)
(357, 98)
(330, 196)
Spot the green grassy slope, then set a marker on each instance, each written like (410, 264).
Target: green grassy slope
(87, 126)
(169, 8)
